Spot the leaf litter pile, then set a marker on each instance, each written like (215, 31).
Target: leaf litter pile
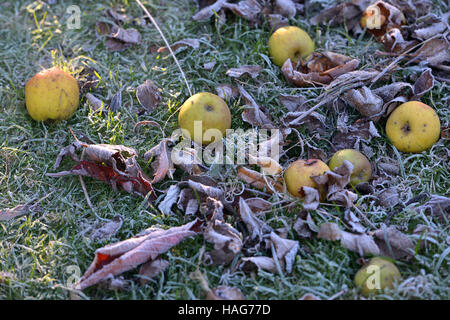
(229, 206)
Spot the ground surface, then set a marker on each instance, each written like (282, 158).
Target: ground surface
(43, 250)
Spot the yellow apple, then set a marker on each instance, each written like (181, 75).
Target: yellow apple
(204, 117)
(376, 276)
(413, 127)
(362, 170)
(52, 94)
(289, 42)
(299, 173)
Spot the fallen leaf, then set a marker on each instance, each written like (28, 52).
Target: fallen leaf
(358, 132)
(285, 249)
(253, 113)
(226, 239)
(286, 8)
(107, 230)
(152, 269)
(181, 45)
(117, 258)
(318, 69)
(209, 11)
(115, 165)
(362, 244)
(253, 71)
(225, 293)
(227, 92)
(437, 205)
(148, 95)
(335, 181)
(394, 244)
(389, 197)
(256, 227)
(163, 164)
(259, 180)
(169, 200)
(20, 210)
(365, 101)
(96, 104)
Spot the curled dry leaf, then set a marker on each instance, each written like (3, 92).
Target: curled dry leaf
(437, 205)
(394, 244)
(253, 113)
(209, 11)
(305, 227)
(225, 293)
(358, 132)
(227, 92)
(115, 165)
(226, 239)
(258, 205)
(152, 269)
(389, 197)
(252, 71)
(117, 258)
(318, 69)
(169, 200)
(365, 101)
(335, 182)
(286, 8)
(96, 104)
(268, 165)
(276, 21)
(163, 165)
(181, 45)
(347, 12)
(360, 243)
(256, 227)
(249, 264)
(107, 230)
(259, 180)
(311, 198)
(247, 9)
(20, 210)
(119, 39)
(148, 95)
(285, 249)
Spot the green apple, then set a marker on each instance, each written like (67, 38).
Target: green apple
(362, 170)
(289, 42)
(299, 173)
(205, 117)
(376, 276)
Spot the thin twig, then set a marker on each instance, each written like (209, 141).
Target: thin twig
(166, 42)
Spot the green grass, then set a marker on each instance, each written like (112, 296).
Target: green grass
(38, 249)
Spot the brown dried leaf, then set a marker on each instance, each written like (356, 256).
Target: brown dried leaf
(226, 239)
(227, 92)
(163, 164)
(117, 258)
(107, 230)
(335, 182)
(285, 249)
(389, 197)
(148, 95)
(285, 7)
(256, 227)
(358, 132)
(252, 70)
(318, 69)
(247, 9)
(437, 205)
(365, 101)
(225, 293)
(381, 17)
(115, 165)
(259, 180)
(208, 12)
(253, 113)
(96, 104)
(152, 269)
(169, 200)
(20, 210)
(394, 244)
(181, 45)
(360, 243)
